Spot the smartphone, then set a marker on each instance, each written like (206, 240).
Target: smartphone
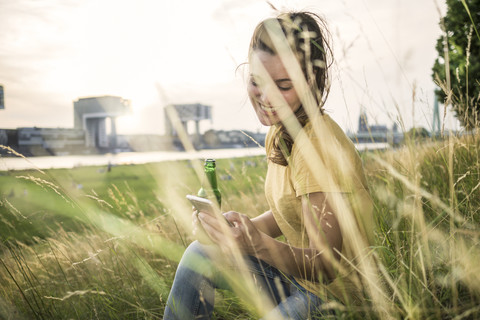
(205, 205)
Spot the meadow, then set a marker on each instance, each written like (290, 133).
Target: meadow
(94, 243)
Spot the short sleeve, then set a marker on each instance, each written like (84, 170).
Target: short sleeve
(323, 161)
(312, 170)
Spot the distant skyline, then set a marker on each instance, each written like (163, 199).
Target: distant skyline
(54, 52)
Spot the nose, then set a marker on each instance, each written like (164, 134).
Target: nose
(263, 97)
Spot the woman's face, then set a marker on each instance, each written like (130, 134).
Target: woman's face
(272, 101)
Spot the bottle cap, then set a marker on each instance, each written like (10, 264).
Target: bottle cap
(210, 161)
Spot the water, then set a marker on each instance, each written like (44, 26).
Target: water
(55, 162)
(123, 158)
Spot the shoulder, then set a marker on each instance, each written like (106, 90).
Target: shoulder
(325, 135)
(323, 150)
(324, 124)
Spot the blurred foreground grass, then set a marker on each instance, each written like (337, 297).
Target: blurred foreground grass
(72, 239)
(89, 243)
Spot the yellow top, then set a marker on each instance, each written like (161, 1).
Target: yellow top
(323, 159)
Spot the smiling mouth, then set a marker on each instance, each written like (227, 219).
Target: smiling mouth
(268, 110)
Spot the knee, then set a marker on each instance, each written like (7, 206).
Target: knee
(197, 256)
(196, 248)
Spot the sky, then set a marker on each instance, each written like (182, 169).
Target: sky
(155, 53)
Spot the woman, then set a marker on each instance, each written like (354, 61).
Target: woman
(315, 188)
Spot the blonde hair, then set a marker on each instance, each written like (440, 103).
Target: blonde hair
(308, 38)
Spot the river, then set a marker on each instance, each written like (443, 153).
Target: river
(71, 161)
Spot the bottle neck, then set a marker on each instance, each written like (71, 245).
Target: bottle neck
(210, 188)
(211, 176)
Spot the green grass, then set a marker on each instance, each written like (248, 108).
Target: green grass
(109, 249)
(428, 199)
(61, 260)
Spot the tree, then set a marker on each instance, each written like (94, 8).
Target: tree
(419, 133)
(458, 56)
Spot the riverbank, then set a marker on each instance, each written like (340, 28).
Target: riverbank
(125, 158)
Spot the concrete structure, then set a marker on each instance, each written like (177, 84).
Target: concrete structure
(185, 113)
(91, 114)
(95, 132)
(188, 112)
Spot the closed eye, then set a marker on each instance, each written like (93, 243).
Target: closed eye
(284, 88)
(282, 84)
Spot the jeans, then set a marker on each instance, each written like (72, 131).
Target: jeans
(193, 290)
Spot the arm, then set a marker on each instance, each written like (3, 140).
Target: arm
(322, 229)
(266, 223)
(324, 235)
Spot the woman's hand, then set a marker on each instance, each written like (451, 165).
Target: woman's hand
(244, 235)
(198, 230)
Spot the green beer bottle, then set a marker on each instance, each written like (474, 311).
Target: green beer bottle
(209, 187)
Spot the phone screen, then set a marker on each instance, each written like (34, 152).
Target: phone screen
(205, 205)
(201, 204)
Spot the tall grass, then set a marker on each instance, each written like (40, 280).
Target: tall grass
(90, 243)
(110, 250)
(427, 198)
(104, 244)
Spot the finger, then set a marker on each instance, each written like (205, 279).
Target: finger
(229, 219)
(216, 224)
(195, 217)
(210, 228)
(233, 217)
(208, 220)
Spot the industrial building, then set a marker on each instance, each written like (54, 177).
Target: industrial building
(97, 117)
(94, 130)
